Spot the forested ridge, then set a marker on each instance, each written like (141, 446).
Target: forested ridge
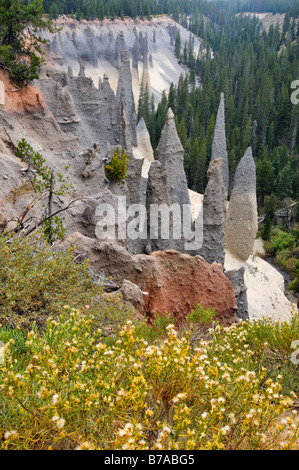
(255, 70)
(216, 10)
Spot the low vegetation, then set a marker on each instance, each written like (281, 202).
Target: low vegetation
(81, 372)
(116, 169)
(283, 245)
(20, 44)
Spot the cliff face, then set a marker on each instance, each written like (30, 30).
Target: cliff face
(28, 99)
(99, 46)
(171, 282)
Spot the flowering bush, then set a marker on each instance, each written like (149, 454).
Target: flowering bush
(72, 390)
(78, 375)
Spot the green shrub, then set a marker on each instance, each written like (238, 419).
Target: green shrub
(201, 315)
(294, 285)
(284, 246)
(116, 170)
(37, 281)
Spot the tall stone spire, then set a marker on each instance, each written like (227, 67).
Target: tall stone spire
(110, 49)
(66, 110)
(135, 58)
(144, 150)
(157, 194)
(144, 141)
(81, 69)
(145, 75)
(125, 129)
(219, 149)
(125, 82)
(120, 46)
(109, 118)
(241, 220)
(214, 215)
(171, 153)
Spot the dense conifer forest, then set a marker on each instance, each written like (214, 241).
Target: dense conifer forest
(217, 10)
(255, 70)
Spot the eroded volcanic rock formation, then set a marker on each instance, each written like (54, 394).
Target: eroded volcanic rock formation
(241, 222)
(214, 207)
(179, 281)
(157, 194)
(170, 153)
(89, 123)
(125, 87)
(219, 149)
(172, 282)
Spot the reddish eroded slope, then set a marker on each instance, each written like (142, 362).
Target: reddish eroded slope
(28, 99)
(171, 282)
(181, 280)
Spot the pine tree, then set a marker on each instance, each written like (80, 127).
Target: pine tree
(264, 179)
(177, 45)
(172, 98)
(20, 20)
(201, 167)
(285, 182)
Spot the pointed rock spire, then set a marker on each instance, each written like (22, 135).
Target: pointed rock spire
(144, 141)
(81, 69)
(145, 75)
(100, 84)
(110, 49)
(125, 82)
(214, 215)
(125, 130)
(66, 110)
(219, 149)
(171, 153)
(157, 194)
(241, 220)
(120, 46)
(91, 49)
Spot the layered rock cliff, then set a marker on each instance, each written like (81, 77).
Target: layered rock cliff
(98, 44)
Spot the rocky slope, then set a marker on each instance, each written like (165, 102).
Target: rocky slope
(168, 281)
(78, 124)
(98, 45)
(267, 19)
